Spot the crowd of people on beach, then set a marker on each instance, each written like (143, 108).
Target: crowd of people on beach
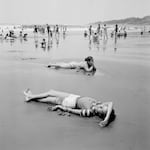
(10, 34)
(53, 32)
(102, 32)
(24, 33)
(67, 102)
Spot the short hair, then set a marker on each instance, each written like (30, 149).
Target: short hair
(89, 58)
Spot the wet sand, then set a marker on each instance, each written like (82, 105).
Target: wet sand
(123, 79)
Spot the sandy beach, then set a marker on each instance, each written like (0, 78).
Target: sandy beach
(123, 77)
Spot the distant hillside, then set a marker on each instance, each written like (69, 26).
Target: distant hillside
(132, 21)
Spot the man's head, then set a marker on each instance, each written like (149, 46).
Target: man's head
(89, 58)
(100, 111)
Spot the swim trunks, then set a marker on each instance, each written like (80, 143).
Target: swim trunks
(70, 101)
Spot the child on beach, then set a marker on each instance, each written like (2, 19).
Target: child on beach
(43, 43)
(83, 106)
(87, 65)
(95, 37)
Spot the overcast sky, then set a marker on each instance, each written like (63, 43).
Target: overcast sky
(70, 11)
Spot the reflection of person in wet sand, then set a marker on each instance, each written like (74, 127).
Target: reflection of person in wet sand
(83, 106)
(49, 44)
(90, 30)
(87, 65)
(115, 44)
(104, 44)
(90, 43)
(36, 42)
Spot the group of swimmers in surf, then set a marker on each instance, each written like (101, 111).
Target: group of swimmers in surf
(102, 32)
(96, 34)
(119, 32)
(50, 29)
(52, 32)
(72, 103)
(10, 34)
(99, 32)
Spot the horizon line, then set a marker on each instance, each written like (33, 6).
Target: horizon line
(73, 24)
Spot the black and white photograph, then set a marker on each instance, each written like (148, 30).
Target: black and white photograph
(74, 74)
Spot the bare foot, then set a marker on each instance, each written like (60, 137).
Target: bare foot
(49, 66)
(27, 94)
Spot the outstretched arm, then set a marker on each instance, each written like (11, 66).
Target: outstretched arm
(67, 109)
(105, 121)
(81, 112)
